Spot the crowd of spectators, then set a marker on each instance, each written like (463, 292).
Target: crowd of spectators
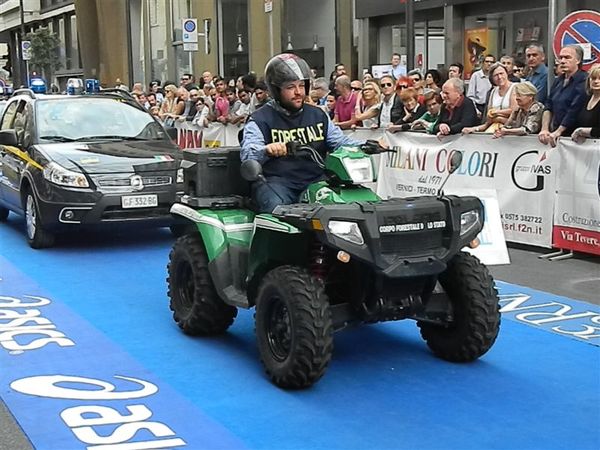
(502, 98)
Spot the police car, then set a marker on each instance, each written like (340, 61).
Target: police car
(71, 161)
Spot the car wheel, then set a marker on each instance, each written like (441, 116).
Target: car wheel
(3, 214)
(476, 316)
(37, 236)
(196, 306)
(293, 327)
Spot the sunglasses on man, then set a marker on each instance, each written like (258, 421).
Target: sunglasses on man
(386, 85)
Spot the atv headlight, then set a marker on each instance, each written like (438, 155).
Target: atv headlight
(179, 176)
(57, 174)
(468, 221)
(360, 170)
(348, 231)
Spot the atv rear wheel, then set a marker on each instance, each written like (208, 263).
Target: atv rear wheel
(476, 323)
(293, 327)
(196, 306)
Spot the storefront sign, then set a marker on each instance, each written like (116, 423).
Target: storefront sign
(583, 28)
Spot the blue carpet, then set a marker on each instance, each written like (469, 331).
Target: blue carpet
(383, 389)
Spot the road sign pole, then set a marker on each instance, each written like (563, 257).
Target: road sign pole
(550, 44)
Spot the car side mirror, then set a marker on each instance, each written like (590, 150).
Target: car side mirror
(9, 137)
(251, 170)
(172, 133)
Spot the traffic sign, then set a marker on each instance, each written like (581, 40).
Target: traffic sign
(26, 50)
(583, 28)
(268, 6)
(190, 31)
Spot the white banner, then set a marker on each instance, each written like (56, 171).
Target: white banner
(577, 211)
(520, 169)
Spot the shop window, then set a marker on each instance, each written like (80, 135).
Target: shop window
(233, 34)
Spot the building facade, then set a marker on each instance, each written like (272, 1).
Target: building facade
(56, 15)
(448, 31)
(143, 40)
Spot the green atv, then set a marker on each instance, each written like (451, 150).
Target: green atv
(340, 257)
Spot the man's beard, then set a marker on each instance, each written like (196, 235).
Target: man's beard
(290, 106)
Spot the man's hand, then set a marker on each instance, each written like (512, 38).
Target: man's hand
(444, 130)
(276, 149)
(544, 137)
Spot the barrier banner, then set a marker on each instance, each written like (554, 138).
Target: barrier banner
(231, 134)
(213, 136)
(520, 169)
(577, 210)
(188, 135)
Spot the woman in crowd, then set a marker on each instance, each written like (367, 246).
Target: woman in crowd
(412, 110)
(588, 120)
(433, 80)
(433, 103)
(367, 109)
(527, 119)
(501, 103)
(171, 107)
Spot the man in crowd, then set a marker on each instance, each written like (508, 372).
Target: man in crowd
(397, 69)
(392, 108)
(567, 97)
(221, 107)
(538, 72)
(188, 81)
(269, 128)
(345, 104)
(241, 115)
(321, 87)
(509, 64)
(261, 95)
(455, 70)
(479, 84)
(458, 111)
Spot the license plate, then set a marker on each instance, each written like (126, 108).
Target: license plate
(139, 201)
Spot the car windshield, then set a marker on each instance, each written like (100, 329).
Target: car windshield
(94, 118)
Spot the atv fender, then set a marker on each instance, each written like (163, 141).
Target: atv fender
(275, 243)
(226, 235)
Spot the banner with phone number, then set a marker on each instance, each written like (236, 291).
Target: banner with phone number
(577, 209)
(520, 169)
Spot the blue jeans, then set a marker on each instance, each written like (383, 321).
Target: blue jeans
(269, 195)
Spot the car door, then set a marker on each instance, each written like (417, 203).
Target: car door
(14, 159)
(6, 124)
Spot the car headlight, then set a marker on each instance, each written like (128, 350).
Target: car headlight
(468, 221)
(348, 231)
(57, 174)
(360, 170)
(179, 176)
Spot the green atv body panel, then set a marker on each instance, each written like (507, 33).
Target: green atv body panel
(334, 163)
(325, 194)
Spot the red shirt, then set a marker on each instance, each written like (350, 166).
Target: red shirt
(345, 108)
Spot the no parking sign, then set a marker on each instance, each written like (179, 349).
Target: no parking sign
(583, 28)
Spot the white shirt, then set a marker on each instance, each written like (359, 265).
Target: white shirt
(385, 118)
(479, 86)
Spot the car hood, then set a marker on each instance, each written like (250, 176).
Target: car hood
(113, 157)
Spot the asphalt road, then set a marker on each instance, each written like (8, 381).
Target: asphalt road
(577, 277)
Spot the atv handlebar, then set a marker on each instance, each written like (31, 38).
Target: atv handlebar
(373, 147)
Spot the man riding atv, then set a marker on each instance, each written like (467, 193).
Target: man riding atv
(337, 257)
(287, 118)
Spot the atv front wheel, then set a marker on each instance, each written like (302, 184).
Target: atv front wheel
(293, 327)
(196, 306)
(476, 316)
